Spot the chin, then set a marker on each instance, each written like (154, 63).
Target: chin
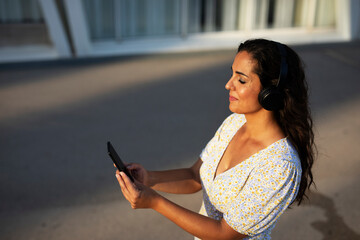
(235, 110)
(244, 111)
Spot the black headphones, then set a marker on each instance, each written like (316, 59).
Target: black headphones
(272, 98)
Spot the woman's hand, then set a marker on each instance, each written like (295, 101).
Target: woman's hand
(138, 195)
(139, 173)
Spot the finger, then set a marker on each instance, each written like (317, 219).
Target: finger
(131, 166)
(122, 185)
(133, 170)
(125, 193)
(131, 187)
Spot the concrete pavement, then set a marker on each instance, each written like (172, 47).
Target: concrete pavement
(56, 181)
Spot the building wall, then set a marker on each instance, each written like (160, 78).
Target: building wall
(89, 28)
(355, 19)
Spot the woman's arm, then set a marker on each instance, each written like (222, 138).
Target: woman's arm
(198, 225)
(179, 181)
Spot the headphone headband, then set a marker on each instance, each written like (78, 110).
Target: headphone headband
(271, 98)
(283, 66)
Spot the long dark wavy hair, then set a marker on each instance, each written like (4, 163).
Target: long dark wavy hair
(295, 117)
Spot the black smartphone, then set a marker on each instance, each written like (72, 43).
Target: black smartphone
(117, 160)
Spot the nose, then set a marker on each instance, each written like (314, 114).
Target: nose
(230, 85)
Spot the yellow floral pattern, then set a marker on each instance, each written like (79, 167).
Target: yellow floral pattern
(252, 195)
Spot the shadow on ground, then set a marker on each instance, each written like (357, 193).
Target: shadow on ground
(334, 227)
(57, 158)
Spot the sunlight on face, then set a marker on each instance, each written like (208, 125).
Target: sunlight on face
(244, 85)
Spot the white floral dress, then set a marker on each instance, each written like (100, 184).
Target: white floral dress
(252, 195)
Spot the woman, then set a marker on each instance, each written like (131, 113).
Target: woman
(258, 162)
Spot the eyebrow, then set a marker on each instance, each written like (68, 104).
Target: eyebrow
(241, 73)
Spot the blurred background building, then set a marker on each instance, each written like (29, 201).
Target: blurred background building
(52, 29)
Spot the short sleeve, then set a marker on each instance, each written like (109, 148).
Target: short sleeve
(230, 124)
(268, 191)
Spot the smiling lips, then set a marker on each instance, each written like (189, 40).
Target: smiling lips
(231, 98)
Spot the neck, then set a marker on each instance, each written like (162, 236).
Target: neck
(262, 124)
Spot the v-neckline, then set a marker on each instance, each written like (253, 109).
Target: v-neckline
(222, 155)
(215, 176)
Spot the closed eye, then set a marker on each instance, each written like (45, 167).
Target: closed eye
(241, 81)
(241, 75)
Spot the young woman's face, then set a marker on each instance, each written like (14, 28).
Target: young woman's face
(244, 85)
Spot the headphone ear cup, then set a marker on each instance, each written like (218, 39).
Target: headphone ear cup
(271, 99)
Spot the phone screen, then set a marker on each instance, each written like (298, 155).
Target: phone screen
(117, 160)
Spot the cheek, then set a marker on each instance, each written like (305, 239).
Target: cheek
(248, 101)
(248, 94)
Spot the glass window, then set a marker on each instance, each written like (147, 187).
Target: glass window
(20, 11)
(123, 19)
(21, 22)
(318, 13)
(127, 19)
(214, 15)
(325, 13)
(100, 18)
